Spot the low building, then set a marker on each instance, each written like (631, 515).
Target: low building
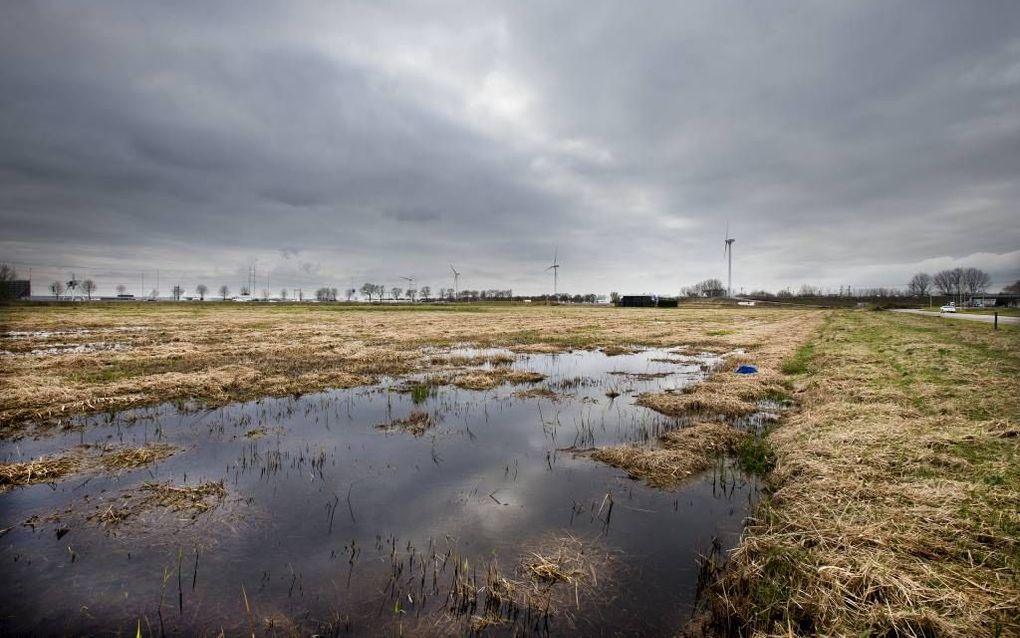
(637, 301)
(15, 289)
(994, 300)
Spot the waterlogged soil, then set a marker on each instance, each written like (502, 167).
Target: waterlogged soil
(335, 519)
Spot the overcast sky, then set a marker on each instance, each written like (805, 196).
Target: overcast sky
(336, 143)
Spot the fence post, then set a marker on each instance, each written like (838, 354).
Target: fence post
(996, 320)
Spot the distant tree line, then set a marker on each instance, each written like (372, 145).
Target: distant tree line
(326, 294)
(706, 288)
(959, 282)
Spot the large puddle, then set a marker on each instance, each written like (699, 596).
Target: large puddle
(331, 524)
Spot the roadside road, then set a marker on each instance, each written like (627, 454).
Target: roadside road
(1009, 321)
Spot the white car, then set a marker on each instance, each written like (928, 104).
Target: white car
(950, 308)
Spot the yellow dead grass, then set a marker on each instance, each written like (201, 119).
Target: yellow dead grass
(218, 353)
(487, 379)
(680, 454)
(691, 450)
(895, 509)
(80, 460)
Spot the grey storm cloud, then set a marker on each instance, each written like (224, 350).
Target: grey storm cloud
(334, 143)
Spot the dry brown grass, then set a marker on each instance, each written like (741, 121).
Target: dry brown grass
(895, 509)
(463, 360)
(537, 393)
(727, 394)
(679, 454)
(129, 458)
(690, 450)
(416, 423)
(41, 470)
(81, 460)
(219, 353)
(563, 559)
(488, 379)
(559, 577)
(190, 499)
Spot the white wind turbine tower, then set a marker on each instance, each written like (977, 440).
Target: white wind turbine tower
(728, 253)
(556, 273)
(410, 282)
(456, 278)
(73, 291)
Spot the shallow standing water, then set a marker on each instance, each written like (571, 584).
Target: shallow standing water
(329, 519)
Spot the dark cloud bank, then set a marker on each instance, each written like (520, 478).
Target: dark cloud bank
(333, 143)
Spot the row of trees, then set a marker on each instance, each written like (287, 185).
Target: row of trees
(377, 291)
(808, 290)
(88, 287)
(706, 288)
(955, 281)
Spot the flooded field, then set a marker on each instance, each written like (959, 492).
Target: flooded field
(412, 507)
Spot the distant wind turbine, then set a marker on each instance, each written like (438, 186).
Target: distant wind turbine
(410, 283)
(556, 272)
(456, 278)
(728, 253)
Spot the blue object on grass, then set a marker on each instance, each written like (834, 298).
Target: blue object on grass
(747, 370)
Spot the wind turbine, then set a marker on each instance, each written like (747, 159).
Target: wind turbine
(556, 272)
(456, 277)
(728, 253)
(72, 291)
(410, 282)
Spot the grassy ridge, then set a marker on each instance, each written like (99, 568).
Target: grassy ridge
(896, 504)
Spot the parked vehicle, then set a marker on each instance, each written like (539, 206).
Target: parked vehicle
(950, 308)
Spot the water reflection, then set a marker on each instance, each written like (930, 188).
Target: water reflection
(325, 509)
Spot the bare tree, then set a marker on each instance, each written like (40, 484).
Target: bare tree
(177, 291)
(710, 288)
(426, 292)
(245, 291)
(57, 288)
(1013, 288)
(350, 292)
(947, 281)
(368, 290)
(326, 294)
(974, 280)
(224, 291)
(88, 287)
(920, 284)
(202, 291)
(7, 273)
(395, 292)
(121, 289)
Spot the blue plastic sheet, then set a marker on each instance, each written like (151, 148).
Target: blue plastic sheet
(747, 370)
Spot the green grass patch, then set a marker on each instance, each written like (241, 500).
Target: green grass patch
(755, 454)
(798, 363)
